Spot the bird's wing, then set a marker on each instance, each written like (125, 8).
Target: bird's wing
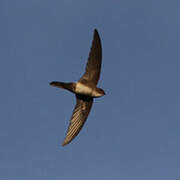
(93, 67)
(79, 116)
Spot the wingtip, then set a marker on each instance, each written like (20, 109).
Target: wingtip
(95, 30)
(96, 34)
(64, 143)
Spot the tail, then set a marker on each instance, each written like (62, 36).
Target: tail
(68, 86)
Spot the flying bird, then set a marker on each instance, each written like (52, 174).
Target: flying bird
(85, 89)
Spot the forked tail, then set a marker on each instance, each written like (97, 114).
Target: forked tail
(68, 86)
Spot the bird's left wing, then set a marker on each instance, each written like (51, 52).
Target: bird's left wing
(79, 116)
(93, 67)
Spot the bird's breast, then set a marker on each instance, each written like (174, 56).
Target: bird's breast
(83, 89)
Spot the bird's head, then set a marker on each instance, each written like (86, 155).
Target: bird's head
(100, 92)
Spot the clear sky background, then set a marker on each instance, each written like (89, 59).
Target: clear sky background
(132, 133)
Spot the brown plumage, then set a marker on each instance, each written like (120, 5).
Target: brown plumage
(85, 89)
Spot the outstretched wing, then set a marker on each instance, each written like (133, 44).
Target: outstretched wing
(93, 67)
(79, 116)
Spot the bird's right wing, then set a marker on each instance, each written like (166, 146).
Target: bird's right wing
(79, 116)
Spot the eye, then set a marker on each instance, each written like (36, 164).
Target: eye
(102, 91)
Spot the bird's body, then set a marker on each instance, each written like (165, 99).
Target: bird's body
(85, 90)
(80, 88)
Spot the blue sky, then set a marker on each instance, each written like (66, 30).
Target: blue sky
(132, 133)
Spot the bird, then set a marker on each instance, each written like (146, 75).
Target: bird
(85, 89)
